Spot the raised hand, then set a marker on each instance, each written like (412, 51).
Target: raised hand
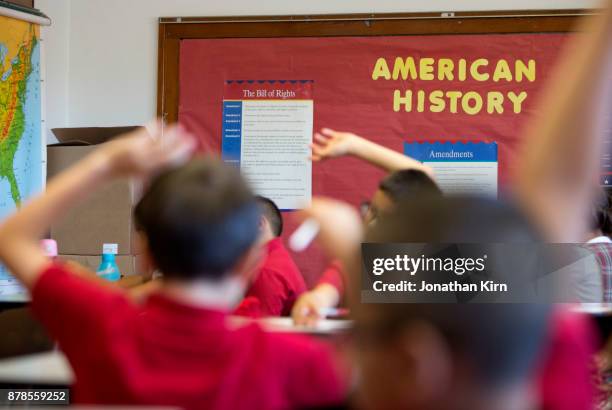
(137, 154)
(145, 151)
(331, 144)
(340, 226)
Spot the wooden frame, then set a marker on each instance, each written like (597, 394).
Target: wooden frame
(173, 29)
(23, 3)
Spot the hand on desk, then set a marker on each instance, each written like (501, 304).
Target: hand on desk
(310, 306)
(340, 235)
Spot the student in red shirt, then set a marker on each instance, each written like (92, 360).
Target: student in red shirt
(456, 355)
(407, 178)
(401, 185)
(279, 282)
(199, 222)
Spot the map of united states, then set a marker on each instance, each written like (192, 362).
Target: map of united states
(22, 148)
(14, 75)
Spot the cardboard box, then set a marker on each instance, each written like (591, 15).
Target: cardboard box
(106, 217)
(128, 264)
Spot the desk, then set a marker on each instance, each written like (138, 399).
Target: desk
(601, 313)
(50, 368)
(22, 334)
(23, 299)
(325, 327)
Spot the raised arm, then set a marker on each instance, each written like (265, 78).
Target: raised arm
(557, 174)
(137, 154)
(340, 236)
(331, 144)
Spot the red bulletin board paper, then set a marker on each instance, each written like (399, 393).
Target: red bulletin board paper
(347, 98)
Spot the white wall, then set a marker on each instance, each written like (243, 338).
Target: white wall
(56, 56)
(102, 54)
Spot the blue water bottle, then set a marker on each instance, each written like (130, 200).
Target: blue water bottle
(108, 268)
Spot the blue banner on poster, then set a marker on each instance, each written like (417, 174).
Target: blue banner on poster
(231, 132)
(464, 168)
(452, 151)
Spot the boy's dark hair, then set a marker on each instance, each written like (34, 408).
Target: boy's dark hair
(271, 212)
(408, 184)
(198, 219)
(455, 219)
(501, 341)
(601, 219)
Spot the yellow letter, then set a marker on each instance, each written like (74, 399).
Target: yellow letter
(445, 69)
(398, 100)
(495, 102)
(426, 69)
(465, 103)
(461, 69)
(453, 96)
(517, 100)
(405, 68)
(520, 70)
(502, 71)
(476, 75)
(420, 101)
(381, 70)
(436, 98)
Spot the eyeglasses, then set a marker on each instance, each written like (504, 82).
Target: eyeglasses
(365, 207)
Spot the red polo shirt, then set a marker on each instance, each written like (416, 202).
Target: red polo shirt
(277, 285)
(171, 354)
(332, 275)
(567, 377)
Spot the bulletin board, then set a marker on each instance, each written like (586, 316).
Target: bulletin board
(392, 78)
